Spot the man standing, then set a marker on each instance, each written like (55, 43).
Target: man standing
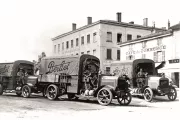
(21, 76)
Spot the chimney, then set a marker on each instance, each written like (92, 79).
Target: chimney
(132, 22)
(89, 20)
(118, 16)
(74, 26)
(154, 25)
(169, 24)
(145, 22)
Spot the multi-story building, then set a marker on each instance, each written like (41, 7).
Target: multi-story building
(99, 38)
(161, 46)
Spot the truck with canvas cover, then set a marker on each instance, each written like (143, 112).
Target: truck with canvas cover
(17, 76)
(144, 79)
(79, 76)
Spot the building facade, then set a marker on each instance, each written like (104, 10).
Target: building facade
(160, 46)
(100, 38)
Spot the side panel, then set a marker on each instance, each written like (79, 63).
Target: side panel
(109, 80)
(153, 82)
(120, 69)
(73, 87)
(6, 69)
(50, 68)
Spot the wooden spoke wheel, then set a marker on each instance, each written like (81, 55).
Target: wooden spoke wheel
(104, 96)
(148, 94)
(52, 92)
(1, 89)
(124, 99)
(26, 91)
(172, 95)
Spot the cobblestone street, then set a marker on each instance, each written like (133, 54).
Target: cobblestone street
(37, 107)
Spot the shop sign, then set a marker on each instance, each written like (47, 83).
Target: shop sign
(174, 61)
(143, 50)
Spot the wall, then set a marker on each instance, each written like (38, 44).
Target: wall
(113, 45)
(81, 48)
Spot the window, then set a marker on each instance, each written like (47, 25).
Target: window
(54, 48)
(109, 37)
(118, 54)
(144, 44)
(77, 42)
(76, 53)
(94, 52)
(88, 52)
(159, 56)
(130, 57)
(58, 48)
(63, 46)
(88, 39)
(82, 53)
(119, 38)
(71, 43)
(107, 70)
(109, 54)
(143, 56)
(67, 44)
(94, 37)
(129, 37)
(138, 36)
(82, 40)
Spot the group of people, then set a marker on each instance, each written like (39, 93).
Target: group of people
(140, 78)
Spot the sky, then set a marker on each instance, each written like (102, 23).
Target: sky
(27, 26)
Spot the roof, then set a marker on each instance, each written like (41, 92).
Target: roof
(109, 22)
(18, 61)
(175, 27)
(150, 36)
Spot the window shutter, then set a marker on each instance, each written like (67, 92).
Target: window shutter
(163, 55)
(155, 56)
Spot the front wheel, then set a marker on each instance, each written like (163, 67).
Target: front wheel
(26, 91)
(148, 94)
(1, 89)
(124, 99)
(52, 92)
(104, 96)
(172, 95)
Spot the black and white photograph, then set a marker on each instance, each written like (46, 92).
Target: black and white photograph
(89, 59)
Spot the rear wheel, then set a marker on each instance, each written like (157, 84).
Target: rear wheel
(26, 91)
(172, 94)
(124, 99)
(1, 89)
(104, 96)
(52, 92)
(148, 94)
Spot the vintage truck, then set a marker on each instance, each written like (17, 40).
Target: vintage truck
(10, 81)
(151, 84)
(77, 76)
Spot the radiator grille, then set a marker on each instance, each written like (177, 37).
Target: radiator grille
(164, 83)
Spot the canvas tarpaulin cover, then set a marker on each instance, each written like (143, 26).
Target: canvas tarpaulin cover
(68, 65)
(6, 69)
